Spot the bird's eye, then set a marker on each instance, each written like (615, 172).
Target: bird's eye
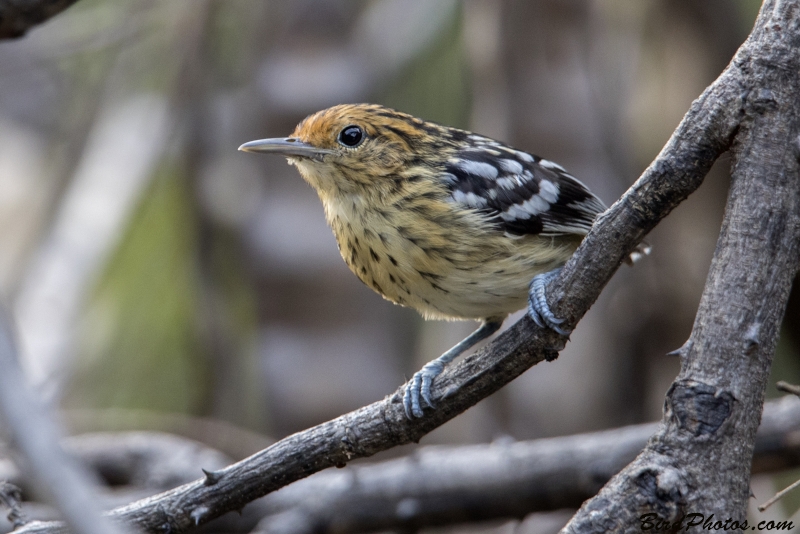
(351, 136)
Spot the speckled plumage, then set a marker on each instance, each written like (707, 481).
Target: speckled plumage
(435, 218)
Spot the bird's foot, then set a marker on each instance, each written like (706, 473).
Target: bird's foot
(538, 309)
(420, 386)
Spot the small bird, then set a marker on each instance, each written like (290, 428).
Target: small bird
(451, 223)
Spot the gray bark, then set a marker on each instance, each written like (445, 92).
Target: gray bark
(441, 485)
(435, 485)
(699, 460)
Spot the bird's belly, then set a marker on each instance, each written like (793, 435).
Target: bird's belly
(450, 274)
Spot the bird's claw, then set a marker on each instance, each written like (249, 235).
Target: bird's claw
(538, 309)
(420, 386)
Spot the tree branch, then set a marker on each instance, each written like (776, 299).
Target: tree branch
(501, 480)
(699, 460)
(440, 485)
(19, 16)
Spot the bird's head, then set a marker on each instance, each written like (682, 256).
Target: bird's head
(353, 147)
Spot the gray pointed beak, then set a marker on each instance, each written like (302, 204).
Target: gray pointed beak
(285, 146)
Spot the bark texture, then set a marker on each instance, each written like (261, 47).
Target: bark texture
(501, 480)
(699, 460)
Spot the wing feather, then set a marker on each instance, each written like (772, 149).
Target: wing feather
(522, 193)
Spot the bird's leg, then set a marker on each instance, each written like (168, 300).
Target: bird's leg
(420, 383)
(538, 309)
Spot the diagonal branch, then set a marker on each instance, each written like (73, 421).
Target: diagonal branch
(496, 481)
(699, 460)
(501, 480)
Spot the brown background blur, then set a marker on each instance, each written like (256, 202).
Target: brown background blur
(156, 274)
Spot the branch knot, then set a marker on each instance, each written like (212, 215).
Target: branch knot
(698, 408)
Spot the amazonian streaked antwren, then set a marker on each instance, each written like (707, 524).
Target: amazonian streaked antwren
(448, 222)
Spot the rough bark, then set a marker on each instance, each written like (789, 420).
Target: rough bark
(501, 480)
(699, 460)
(505, 480)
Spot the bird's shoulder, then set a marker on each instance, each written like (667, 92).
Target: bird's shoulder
(521, 193)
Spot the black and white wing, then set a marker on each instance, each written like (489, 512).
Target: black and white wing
(522, 193)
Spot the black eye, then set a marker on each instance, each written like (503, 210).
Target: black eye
(351, 136)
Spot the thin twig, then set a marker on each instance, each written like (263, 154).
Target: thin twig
(794, 390)
(778, 496)
(788, 388)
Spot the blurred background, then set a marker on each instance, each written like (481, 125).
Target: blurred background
(160, 279)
